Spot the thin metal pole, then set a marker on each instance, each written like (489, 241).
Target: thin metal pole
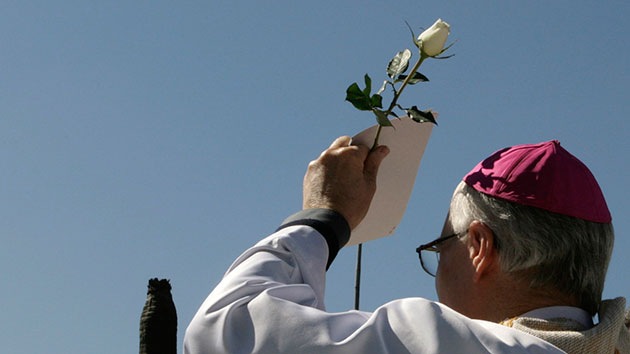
(357, 278)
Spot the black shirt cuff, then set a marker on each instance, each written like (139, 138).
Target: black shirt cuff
(329, 223)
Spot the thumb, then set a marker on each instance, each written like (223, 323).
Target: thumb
(373, 161)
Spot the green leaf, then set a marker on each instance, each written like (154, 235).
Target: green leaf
(420, 116)
(381, 118)
(417, 77)
(377, 101)
(399, 63)
(358, 98)
(368, 85)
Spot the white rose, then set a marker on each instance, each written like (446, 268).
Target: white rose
(431, 42)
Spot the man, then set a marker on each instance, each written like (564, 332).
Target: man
(523, 256)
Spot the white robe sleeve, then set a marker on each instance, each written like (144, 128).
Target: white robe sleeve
(271, 300)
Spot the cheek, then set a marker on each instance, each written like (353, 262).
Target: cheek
(446, 282)
(451, 280)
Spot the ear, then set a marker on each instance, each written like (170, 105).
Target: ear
(483, 255)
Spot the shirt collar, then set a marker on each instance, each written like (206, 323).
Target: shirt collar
(574, 313)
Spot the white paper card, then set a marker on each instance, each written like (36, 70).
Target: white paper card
(396, 176)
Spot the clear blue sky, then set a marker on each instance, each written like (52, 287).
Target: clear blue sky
(145, 139)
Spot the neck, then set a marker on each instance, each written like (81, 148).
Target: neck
(511, 299)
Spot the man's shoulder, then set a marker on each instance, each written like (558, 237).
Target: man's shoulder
(415, 318)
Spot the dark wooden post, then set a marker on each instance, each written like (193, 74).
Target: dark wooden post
(158, 323)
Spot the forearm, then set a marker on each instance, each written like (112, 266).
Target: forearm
(288, 266)
(303, 242)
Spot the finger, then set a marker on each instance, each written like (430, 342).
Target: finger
(373, 161)
(341, 141)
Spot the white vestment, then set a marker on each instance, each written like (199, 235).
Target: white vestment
(271, 300)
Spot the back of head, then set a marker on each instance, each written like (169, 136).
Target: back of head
(551, 223)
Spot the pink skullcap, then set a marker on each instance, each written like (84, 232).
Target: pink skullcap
(541, 175)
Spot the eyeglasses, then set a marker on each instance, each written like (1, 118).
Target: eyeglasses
(429, 253)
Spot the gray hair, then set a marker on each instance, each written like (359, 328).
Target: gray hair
(550, 250)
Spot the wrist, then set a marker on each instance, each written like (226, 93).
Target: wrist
(329, 223)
